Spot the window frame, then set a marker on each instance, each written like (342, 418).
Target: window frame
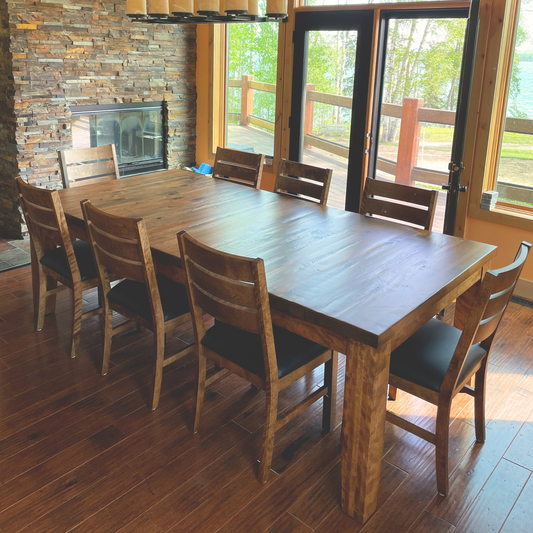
(218, 66)
(499, 51)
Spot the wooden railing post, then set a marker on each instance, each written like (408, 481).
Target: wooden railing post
(409, 140)
(247, 99)
(309, 110)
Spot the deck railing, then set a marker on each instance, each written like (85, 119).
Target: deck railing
(412, 115)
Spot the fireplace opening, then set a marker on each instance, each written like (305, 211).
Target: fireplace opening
(136, 129)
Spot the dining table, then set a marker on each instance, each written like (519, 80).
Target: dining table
(356, 284)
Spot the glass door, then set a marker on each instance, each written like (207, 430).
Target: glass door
(329, 101)
(422, 95)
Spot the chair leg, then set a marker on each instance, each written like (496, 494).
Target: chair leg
(160, 341)
(77, 309)
(393, 391)
(330, 400)
(441, 448)
(479, 401)
(100, 296)
(41, 305)
(200, 387)
(108, 337)
(268, 434)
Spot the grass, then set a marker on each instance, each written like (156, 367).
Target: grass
(522, 144)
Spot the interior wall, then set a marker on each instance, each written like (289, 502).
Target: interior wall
(507, 239)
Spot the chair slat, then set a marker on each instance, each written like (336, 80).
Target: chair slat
(301, 170)
(244, 167)
(122, 268)
(487, 328)
(42, 215)
(92, 170)
(225, 289)
(233, 267)
(227, 170)
(89, 165)
(46, 221)
(406, 213)
(401, 193)
(119, 227)
(129, 249)
(298, 186)
(288, 182)
(82, 155)
(117, 243)
(497, 302)
(238, 157)
(239, 317)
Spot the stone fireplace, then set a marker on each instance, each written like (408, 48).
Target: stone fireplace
(137, 130)
(57, 57)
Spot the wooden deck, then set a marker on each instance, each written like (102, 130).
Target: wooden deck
(83, 453)
(245, 136)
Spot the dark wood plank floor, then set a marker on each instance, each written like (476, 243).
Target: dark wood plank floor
(81, 452)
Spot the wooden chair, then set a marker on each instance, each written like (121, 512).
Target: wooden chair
(438, 361)
(120, 246)
(243, 340)
(58, 259)
(314, 185)
(411, 214)
(238, 166)
(88, 165)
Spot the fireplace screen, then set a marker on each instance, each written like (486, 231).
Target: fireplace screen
(136, 130)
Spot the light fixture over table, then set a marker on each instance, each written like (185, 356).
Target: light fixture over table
(208, 11)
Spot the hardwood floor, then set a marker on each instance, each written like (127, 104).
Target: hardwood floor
(82, 452)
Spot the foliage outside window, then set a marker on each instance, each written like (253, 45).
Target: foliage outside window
(251, 90)
(424, 58)
(514, 180)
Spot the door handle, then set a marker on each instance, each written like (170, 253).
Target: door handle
(446, 187)
(369, 137)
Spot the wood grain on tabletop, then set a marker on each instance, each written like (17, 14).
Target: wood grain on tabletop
(361, 277)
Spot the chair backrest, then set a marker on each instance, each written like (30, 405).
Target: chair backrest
(241, 167)
(88, 165)
(231, 289)
(120, 246)
(303, 181)
(419, 214)
(46, 222)
(481, 311)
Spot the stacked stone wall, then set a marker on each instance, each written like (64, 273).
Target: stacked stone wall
(10, 220)
(79, 52)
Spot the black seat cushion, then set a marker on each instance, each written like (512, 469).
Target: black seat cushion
(56, 260)
(245, 349)
(133, 296)
(424, 357)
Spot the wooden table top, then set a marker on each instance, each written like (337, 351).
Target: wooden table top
(359, 277)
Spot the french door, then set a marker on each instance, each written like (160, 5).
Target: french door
(331, 76)
(421, 93)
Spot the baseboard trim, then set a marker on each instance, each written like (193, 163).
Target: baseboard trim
(524, 289)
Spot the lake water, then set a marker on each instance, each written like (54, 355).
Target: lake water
(524, 101)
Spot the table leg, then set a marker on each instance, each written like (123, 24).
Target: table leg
(363, 426)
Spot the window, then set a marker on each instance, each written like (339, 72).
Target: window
(251, 85)
(513, 158)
